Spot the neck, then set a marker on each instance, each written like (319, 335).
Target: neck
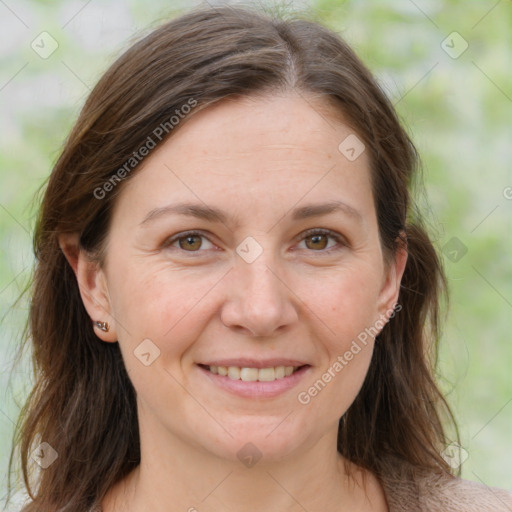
(175, 476)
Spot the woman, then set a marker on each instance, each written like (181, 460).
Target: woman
(233, 302)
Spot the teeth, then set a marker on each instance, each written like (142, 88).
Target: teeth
(253, 374)
(247, 374)
(267, 374)
(233, 372)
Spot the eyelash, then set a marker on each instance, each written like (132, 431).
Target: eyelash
(309, 232)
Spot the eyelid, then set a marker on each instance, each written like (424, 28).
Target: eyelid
(184, 234)
(340, 239)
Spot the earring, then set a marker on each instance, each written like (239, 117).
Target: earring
(102, 325)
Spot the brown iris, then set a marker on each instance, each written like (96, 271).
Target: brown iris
(190, 242)
(316, 241)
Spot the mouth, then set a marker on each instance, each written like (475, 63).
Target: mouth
(254, 379)
(253, 374)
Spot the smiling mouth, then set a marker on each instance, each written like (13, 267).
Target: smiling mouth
(247, 374)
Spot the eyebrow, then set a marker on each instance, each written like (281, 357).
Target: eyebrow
(202, 211)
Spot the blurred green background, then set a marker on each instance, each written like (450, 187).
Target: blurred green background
(455, 101)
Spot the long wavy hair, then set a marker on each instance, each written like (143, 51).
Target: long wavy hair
(81, 386)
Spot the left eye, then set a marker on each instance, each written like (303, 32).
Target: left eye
(319, 240)
(314, 240)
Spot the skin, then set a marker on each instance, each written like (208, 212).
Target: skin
(305, 298)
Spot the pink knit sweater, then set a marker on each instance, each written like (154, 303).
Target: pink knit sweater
(412, 489)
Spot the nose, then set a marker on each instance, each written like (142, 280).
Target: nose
(259, 301)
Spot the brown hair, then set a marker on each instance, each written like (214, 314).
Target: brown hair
(82, 388)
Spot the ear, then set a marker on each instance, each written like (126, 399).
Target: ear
(394, 270)
(92, 284)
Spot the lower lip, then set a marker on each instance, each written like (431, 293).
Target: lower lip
(256, 389)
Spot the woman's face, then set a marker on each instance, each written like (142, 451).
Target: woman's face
(283, 268)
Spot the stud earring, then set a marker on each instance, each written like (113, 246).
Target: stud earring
(102, 325)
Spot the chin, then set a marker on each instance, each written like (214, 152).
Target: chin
(259, 441)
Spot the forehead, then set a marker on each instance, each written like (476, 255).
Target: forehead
(266, 123)
(254, 151)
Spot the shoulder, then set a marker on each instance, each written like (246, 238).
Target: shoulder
(410, 488)
(446, 493)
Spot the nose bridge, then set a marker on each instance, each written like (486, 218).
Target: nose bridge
(253, 261)
(260, 280)
(259, 300)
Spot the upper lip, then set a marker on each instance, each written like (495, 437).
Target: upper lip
(255, 363)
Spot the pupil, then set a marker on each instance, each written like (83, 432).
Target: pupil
(317, 241)
(189, 242)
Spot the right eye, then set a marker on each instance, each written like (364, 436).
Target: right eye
(191, 241)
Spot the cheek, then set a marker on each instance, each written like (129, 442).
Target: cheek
(347, 302)
(163, 305)
(347, 305)
(162, 314)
